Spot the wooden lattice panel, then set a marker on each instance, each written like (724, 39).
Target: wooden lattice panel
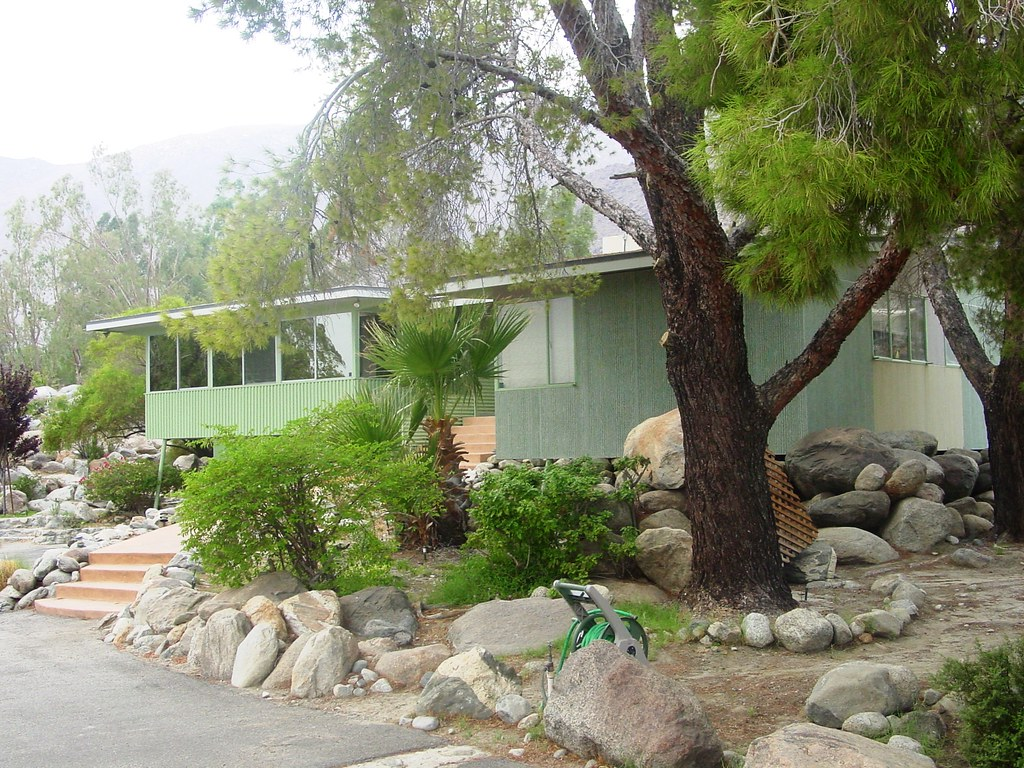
(795, 529)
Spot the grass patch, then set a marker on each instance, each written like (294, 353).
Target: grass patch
(9, 566)
(471, 581)
(661, 621)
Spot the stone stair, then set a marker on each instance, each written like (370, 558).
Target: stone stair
(113, 577)
(477, 435)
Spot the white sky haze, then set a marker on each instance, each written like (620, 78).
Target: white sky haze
(77, 74)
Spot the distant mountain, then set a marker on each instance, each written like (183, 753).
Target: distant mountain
(197, 161)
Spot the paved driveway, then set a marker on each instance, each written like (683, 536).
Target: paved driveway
(69, 699)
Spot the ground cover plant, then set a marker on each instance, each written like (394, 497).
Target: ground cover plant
(131, 485)
(306, 501)
(532, 526)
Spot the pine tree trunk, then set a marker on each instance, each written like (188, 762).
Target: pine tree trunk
(1004, 418)
(736, 559)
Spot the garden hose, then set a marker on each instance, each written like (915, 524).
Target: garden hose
(583, 633)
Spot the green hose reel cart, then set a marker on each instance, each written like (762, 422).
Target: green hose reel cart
(601, 622)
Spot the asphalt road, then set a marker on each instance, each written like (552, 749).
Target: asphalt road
(69, 699)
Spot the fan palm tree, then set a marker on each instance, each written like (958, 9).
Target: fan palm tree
(444, 359)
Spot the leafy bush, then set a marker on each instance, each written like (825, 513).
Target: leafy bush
(131, 485)
(532, 527)
(109, 406)
(992, 718)
(303, 502)
(28, 485)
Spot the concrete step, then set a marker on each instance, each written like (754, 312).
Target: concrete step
(123, 573)
(101, 591)
(102, 557)
(77, 609)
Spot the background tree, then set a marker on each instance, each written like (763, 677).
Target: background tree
(16, 392)
(834, 123)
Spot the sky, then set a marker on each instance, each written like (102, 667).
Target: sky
(76, 75)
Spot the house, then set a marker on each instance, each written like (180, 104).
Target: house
(584, 372)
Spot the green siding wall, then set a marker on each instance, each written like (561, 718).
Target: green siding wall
(256, 408)
(621, 378)
(620, 375)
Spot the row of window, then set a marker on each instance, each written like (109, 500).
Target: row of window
(322, 347)
(899, 327)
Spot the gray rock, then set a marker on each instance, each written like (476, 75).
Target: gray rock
(985, 510)
(859, 509)
(256, 657)
(68, 564)
(725, 633)
(45, 564)
(655, 501)
(803, 631)
(931, 492)
(379, 612)
(29, 598)
(666, 518)
(407, 667)
(511, 708)
(56, 577)
(922, 726)
(816, 562)
(906, 590)
(855, 546)
(841, 632)
(664, 555)
(23, 580)
(281, 677)
(871, 725)
(381, 686)
(425, 723)
(276, 586)
(861, 686)
(323, 662)
(831, 460)
(976, 527)
(653, 722)
(877, 622)
(183, 575)
(164, 607)
(757, 630)
(806, 745)
(904, 743)
(449, 696)
(906, 479)
(311, 612)
(933, 471)
(262, 610)
(969, 558)
(510, 626)
(960, 473)
(489, 678)
(871, 478)
(910, 440)
(214, 646)
(917, 525)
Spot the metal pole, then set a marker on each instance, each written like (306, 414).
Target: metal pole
(160, 474)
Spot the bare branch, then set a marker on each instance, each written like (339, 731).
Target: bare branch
(624, 217)
(855, 303)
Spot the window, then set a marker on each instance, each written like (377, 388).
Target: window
(227, 370)
(368, 368)
(899, 327)
(191, 364)
(298, 349)
(544, 353)
(163, 363)
(259, 366)
(334, 346)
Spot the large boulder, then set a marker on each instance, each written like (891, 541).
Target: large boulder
(655, 501)
(906, 479)
(859, 509)
(168, 604)
(806, 745)
(910, 440)
(506, 627)
(256, 656)
(917, 525)
(214, 646)
(276, 586)
(855, 546)
(605, 704)
(310, 612)
(816, 562)
(861, 686)
(405, 668)
(803, 631)
(281, 677)
(262, 610)
(445, 696)
(666, 518)
(960, 472)
(324, 662)
(379, 612)
(489, 678)
(660, 439)
(932, 470)
(831, 459)
(665, 555)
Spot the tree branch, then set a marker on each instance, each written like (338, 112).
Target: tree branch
(779, 390)
(624, 217)
(955, 325)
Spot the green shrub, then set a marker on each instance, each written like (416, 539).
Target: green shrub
(992, 690)
(28, 485)
(532, 527)
(131, 485)
(303, 502)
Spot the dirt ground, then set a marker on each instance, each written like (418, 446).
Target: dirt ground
(748, 692)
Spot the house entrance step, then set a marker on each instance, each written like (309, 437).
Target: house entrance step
(476, 434)
(113, 578)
